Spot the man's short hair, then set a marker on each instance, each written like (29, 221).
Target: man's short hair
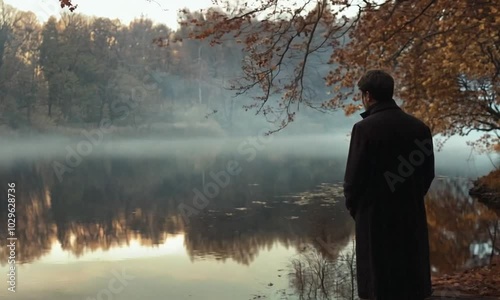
(379, 83)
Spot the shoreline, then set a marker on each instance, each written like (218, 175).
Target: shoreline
(476, 283)
(487, 190)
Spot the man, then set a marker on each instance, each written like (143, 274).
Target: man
(389, 170)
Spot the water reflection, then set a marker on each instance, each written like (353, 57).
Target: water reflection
(459, 226)
(286, 209)
(462, 233)
(315, 276)
(111, 203)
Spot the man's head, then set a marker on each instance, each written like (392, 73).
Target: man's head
(376, 86)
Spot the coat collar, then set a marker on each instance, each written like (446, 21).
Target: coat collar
(379, 106)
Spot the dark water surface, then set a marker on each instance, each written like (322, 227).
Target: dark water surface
(204, 221)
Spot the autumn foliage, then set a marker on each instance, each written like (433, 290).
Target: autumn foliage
(444, 54)
(68, 4)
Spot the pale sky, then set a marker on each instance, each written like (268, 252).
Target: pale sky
(161, 11)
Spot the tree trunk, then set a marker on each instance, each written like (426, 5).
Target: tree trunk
(199, 74)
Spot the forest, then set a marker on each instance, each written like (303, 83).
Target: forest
(280, 59)
(78, 71)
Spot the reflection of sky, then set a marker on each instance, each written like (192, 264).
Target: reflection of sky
(481, 250)
(173, 245)
(162, 272)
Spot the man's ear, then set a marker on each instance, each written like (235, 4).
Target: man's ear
(369, 98)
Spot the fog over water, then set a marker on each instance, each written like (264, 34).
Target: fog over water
(455, 158)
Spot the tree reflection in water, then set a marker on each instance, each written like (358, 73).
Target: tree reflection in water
(463, 233)
(314, 275)
(109, 203)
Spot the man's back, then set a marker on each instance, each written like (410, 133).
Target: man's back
(401, 149)
(389, 171)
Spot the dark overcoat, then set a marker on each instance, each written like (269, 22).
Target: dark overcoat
(389, 170)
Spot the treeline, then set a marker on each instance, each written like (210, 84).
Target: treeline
(77, 71)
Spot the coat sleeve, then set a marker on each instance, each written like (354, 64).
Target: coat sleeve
(429, 164)
(356, 170)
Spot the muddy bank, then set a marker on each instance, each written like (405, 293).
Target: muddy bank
(474, 283)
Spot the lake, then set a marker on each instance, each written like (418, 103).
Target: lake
(243, 218)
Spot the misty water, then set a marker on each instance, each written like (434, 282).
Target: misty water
(207, 218)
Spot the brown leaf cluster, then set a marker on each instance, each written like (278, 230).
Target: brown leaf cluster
(445, 56)
(68, 4)
(482, 281)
